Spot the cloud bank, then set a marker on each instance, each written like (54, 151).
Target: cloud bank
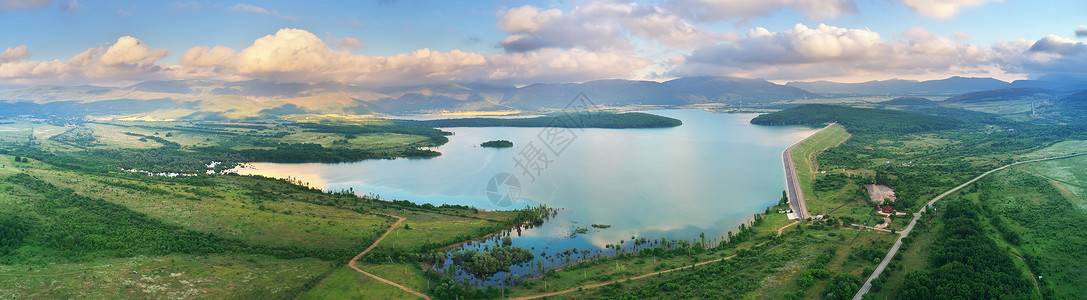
(829, 51)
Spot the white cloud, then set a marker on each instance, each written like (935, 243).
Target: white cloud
(296, 55)
(1057, 45)
(201, 56)
(1081, 31)
(1047, 56)
(130, 51)
(745, 10)
(942, 9)
(829, 51)
(596, 26)
(13, 54)
(558, 65)
(126, 60)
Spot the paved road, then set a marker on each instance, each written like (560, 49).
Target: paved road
(796, 196)
(906, 232)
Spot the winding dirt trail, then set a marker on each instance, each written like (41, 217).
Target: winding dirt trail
(596, 285)
(1032, 276)
(387, 232)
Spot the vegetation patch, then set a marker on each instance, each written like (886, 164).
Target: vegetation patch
(497, 144)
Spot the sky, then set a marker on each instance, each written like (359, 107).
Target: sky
(408, 42)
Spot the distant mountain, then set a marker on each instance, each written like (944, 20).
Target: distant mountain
(214, 99)
(942, 87)
(1006, 95)
(1053, 82)
(682, 91)
(732, 89)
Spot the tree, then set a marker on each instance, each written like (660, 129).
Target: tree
(842, 286)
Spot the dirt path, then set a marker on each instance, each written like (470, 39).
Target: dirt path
(1032, 277)
(787, 226)
(596, 285)
(387, 232)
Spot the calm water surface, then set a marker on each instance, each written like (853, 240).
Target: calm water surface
(706, 176)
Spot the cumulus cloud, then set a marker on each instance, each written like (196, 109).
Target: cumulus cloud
(559, 65)
(534, 29)
(596, 26)
(1047, 56)
(13, 54)
(743, 10)
(130, 51)
(942, 9)
(1081, 31)
(202, 56)
(126, 59)
(296, 55)
(829, 51)
(1057, 45)
(20, 4)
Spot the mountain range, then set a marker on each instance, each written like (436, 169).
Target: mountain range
(213, 99)
(951, 86)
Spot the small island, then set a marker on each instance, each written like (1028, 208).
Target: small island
(497, 144)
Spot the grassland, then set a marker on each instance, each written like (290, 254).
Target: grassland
(161, 277)
(255, 211)
(346, 283)
(1044, 205)
(804, 159)
(248, 211)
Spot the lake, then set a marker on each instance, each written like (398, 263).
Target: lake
(706, 176)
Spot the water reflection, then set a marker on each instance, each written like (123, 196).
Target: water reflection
(704, 177)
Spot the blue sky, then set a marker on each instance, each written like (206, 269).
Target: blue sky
(520, 42)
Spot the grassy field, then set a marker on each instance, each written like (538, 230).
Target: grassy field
(346, 283)
(161, 277)
(252, 210)
(274, 213)
(804, 155)
(1044, 204)
(1069, 176)
(1059, 149)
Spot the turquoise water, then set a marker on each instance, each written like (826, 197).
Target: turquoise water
(706, 176)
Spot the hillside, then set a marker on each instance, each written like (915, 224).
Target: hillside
(949, 86)
(1005, 95)
(858, 119)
